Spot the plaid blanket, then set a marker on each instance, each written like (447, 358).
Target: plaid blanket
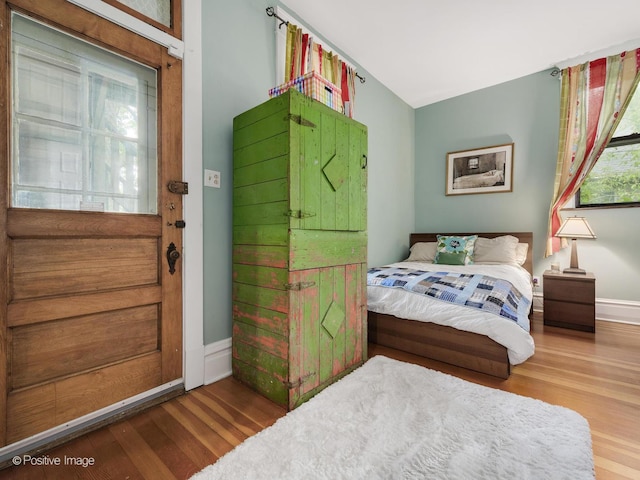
(489, 294)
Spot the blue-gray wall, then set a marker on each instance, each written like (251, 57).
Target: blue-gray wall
(526, 112)
(407, 161)
(238, 70)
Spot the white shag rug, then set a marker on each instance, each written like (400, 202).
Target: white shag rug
(394, 420)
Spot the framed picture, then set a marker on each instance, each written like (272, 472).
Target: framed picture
(484, 170)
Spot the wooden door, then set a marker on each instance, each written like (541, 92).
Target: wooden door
(90, 314)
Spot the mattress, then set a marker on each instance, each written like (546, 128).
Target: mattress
(405, 304)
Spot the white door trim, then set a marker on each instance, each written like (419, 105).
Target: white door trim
(193, 281)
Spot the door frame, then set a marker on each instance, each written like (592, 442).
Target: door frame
(192, 284)
(193, 240)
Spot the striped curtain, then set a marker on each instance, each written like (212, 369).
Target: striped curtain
(593, 99)
(305, 55)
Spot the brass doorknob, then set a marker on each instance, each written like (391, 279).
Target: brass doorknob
(172, 257)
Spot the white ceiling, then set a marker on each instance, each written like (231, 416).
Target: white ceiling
(426, 50)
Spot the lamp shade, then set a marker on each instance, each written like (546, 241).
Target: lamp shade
(575, 227)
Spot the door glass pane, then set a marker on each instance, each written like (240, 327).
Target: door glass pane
(158, 10)
(84, 125)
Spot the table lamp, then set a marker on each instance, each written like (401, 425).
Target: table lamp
(574, 228)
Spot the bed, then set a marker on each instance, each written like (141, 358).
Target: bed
(450, 333)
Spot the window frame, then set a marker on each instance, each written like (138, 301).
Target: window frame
(175, 27)
(624, 140)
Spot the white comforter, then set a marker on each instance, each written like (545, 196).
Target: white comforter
(404, 304)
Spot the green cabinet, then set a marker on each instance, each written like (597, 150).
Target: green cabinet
(299, 247)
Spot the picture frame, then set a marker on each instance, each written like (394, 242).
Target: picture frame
(483, 170)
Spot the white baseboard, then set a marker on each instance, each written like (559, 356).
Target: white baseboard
(607, 309)
(537, 302)
(217, 361)
(618, 311)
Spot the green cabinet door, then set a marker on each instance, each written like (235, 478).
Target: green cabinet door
(328, 330)
(298, 161)
(332, 190)
(292, 339)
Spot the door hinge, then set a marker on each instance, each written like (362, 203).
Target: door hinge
(297, 383)
(299, 285)
(300, 120)
(299, 214)
(181, 188)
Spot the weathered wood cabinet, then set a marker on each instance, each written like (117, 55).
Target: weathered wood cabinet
(299, 247)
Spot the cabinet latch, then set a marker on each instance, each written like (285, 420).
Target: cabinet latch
(297, 383)
(299, 285)
(300, 120)
(299, 214)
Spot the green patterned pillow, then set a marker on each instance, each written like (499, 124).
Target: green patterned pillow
(455, 250)
(446, 258)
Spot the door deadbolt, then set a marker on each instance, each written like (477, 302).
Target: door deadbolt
(178, 224)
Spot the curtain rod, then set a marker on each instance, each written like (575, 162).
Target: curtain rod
(271, 13)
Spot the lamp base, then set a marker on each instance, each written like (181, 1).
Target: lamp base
(573, 265)
(577, 271)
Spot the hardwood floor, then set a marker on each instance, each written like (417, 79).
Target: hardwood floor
(596, 375)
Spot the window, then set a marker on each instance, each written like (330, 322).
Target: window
(84, 125)
(615, 178)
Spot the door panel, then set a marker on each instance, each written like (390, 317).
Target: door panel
(45, 406)
(97, 264)
(326, 339)
(33, 346)
(333, 174)
(90, 313)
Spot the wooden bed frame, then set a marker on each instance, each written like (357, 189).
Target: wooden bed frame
(446, 344)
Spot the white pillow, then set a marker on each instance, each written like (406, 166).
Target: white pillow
(521, 253)
(423, 252)
(496, 250)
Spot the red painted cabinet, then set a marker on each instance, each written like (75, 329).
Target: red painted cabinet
(299, 247)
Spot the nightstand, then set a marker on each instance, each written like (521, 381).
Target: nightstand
(569, 300)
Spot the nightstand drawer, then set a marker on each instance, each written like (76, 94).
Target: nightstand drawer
(570, 315)
(565, 290)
